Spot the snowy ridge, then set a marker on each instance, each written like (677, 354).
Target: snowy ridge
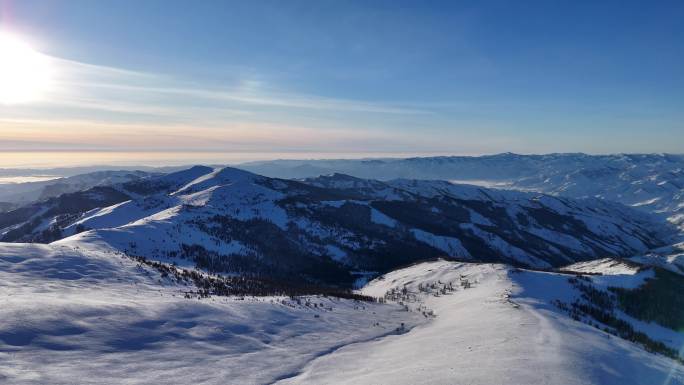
(502, 328)
(102, 312)
(228, 219)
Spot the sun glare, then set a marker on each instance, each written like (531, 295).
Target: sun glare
(24, 73)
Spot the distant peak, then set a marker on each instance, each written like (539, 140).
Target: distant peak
(234, 172)
(334, 177)
(200, 167)
(340, 176)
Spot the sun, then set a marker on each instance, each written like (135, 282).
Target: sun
(24, 73)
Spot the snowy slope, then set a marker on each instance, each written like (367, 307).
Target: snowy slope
(45, 221)
(502, 330)
(230, 220)
(96, 317)
(652, 183)
(83, 313)
(603, 266)
(668, 257)
(324, 228)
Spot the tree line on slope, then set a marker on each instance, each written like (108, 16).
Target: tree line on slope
(598, 307)
(208, 285)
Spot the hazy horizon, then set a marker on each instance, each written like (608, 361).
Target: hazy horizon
(65, 159)
(54, 159)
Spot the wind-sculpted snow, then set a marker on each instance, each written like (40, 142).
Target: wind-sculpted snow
(76, 316)
(81, 312)
(489, 324)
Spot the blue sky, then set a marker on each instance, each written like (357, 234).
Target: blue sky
(352, 77)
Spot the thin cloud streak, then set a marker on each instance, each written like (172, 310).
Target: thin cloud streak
(99, 108)
(76, 79)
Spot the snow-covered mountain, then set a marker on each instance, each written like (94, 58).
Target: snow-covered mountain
(651, 182)
(135, 286)
(77, 313)
(44, 220)
(670, 257)
(219, 275)
(326, 228)
(19, 194)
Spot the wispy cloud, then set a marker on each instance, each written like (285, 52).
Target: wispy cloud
(93, 87)
(99, 108)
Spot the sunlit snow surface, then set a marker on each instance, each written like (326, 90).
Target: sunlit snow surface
(502, 331)
(72, 318)
(76, 313)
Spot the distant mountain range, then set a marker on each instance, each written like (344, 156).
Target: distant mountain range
(18, 194)
(651, 182)
(21, 186)
(327, 228)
